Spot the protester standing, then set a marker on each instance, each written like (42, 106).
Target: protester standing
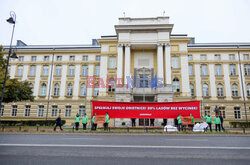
(133, 122)
(152, 122)
(106, 124)
(217, 122)
(191, 126)
(221, 120)
(180, 126)
(94, 125)
(84, 121)
(165, 122)
(77, 120)
(209, 121)
(58, 123)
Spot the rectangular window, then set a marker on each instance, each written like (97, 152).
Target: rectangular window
(231, 57)
(245, 56)
(97, 70)
(85, 58)
(207, 111)
(59, 58)
(175, 62)
(190, 70)
(58, 70)
(223, 112)
(217, 57)
(84, 70)
(204, 70)
(68, 111)
(218, 70)
(112, 62)
(98, 58)
(232, 69)
(81, 110)
(32, 70)
(2, 110)
(190, 57)
(71, 70)
(20, 71)
(46, 58)
(45, 70)
(203, 57)
(14, 110)
(40, 111)
(54, 111)
(237, 113)
(33, 58)
(144, 81)
(27, 111)
(72, 58)
(21, 58)
(247, 70)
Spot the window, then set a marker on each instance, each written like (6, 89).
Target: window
(85, 58)
(45, 70)
(223, 112)
(248, 90)
(46, 58)
(217, 57)
(203, 57)
(21, 58)
(190, 57)
(112, 62)
(207, 111)
(205, 90)
(27, 111)
(204, 70)
(190, 70)
(247, 70)
(67, 111)
(220, 90)
(144, 81)
(176, 85)
(97, 70)
(20, 71)
(232, 69)
(81, 110)
(98, 58)
(237, 113)
(71, 70)
(40, 110)
(111, 85)
(2, 110)
(58, 70)
(72, 58)
(231, 57)
(32, 70)
(33, 58)
(84, 70)
(175, 62)
(245, 57)
(83, 90)
(70, 90)
(54, 111)
(32, 87)
(43, 90)
(218, 71)
(192, 90)
(235, 90)
(56, 89)
(59, 58)
(14, 110)
(96, 90)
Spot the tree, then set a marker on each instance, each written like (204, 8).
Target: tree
(14, 90)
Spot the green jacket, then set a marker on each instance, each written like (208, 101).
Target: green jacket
(85, 120)
(179, 119)
(77, 119)
(107, 119)
(93, 119)
(217, 120)
(208, 119)
(192, 119)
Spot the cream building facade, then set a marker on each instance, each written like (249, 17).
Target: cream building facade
(214, 73)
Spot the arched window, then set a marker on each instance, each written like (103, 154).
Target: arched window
(56, 89)
(192, 90)
(43, 90)
(220, 90)
(96, 90)
(83, 90)
(176, 85)
(111, 85)
(235, 90)
(70, 90)
(205, 90)
(248, 90)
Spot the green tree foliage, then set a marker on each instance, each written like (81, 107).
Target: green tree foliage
(14, 90)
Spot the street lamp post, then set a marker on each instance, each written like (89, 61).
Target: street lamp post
(11, 20)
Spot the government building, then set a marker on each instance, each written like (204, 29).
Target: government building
(122, 67)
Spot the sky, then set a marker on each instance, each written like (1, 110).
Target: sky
(56, 22)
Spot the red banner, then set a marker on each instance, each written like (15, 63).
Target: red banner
(147, 110)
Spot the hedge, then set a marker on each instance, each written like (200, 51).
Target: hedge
(239, 124)
(29, 122)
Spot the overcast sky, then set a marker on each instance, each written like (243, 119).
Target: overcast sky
(44, 22)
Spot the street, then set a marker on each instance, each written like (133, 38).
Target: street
(123, 149)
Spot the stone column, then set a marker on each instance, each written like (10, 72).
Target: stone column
(168, 71)
(160, 61)
(127, 62)
(103, 73)
(119, 61)
(185, 76)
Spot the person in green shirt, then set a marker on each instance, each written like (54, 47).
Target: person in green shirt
(209, 121)
(191, 126)
(106, 124)
(94, 125)
(84, 121)
(180, 126)
(77, 120)
(217, 122)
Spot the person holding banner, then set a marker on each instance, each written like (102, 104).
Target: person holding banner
(180, 126)
(94, 125)
(209, 121)
(77, 120)
(84, 121)
(106, 124)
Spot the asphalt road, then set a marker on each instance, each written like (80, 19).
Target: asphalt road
(123, 149)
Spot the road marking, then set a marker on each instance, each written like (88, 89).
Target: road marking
(125, 146)
(189, 139)
(83, 138)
